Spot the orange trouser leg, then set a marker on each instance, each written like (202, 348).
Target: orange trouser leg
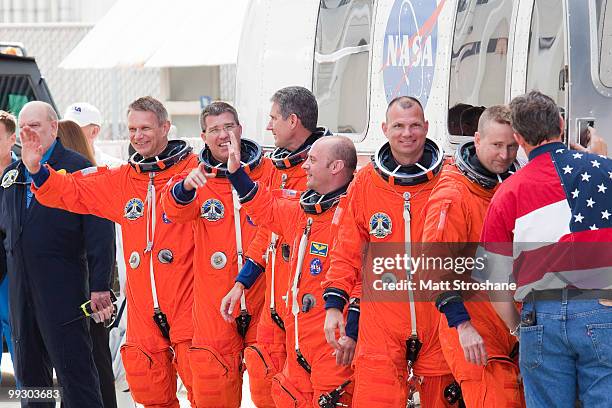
(182, 366)
(499, 388)
(286, 391)
(431, 391)
(379, 383)
(327, 376)
(263, 361)
(217, 378)
(151, 376)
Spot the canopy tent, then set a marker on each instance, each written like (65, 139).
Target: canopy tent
(160, 33)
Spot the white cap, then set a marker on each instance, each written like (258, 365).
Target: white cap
(83, 114)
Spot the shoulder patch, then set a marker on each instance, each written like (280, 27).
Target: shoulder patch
(88, 170)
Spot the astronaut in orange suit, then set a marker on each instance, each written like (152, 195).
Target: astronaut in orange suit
(311, 375)
(158, 252)
(222, 232)
(475, 341)
(384, 211)
(293, 122)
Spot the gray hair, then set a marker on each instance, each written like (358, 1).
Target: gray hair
(299, 101)
(215, 109)
(150, 104)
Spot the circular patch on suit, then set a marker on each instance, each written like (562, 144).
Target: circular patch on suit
(165, 256)
(380, 225)
(134, 260)
(218, 260)
(212, 210)
(9, 178)
(316, 266)
(134, 209)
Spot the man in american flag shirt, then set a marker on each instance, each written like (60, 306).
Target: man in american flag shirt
(549, 231)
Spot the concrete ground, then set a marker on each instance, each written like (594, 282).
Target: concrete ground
(124, 399)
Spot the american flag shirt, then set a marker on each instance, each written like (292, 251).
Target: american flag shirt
(549, 226)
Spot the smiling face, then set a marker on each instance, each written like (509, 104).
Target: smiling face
(317, 167)
(406, 130)
(148, 137)
(216, 134)
(496, 147)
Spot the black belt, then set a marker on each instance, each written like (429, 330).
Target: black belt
(571, 294)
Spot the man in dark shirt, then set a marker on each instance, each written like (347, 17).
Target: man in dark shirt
(56, 261)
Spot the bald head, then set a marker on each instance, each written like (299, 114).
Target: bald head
(42, 119)
(340, 148)
(331, 163)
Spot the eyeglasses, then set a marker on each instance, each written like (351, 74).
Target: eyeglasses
(217, 131)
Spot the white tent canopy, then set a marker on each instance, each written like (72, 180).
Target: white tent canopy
(161, 33)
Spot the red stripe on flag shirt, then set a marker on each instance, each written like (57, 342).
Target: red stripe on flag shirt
(544, 219)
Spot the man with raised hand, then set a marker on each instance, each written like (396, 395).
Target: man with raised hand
(293, 123)
(158, 251)
(221, 231)
(311, 375)
(51, 256)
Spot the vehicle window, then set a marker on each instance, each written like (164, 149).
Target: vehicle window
(478, 62)
(546, 59)
(15, 91)
(604, 41)
(342, 56)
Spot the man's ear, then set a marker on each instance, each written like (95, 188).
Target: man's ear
(561, 125)
(337, 166)
(519, 139)
(293, 120)
(95, 132)
(166, 126)
(385, 128)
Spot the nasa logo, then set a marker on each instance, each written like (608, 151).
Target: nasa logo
(316, 266)
(409, 51)
(212, 210)
(134, 209)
